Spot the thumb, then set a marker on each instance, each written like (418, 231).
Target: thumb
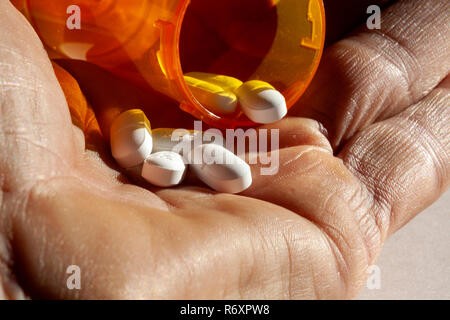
(36, 132)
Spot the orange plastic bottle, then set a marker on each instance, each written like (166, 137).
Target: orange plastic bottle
(155, 42)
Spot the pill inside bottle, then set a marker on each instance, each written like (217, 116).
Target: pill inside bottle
(258, 100)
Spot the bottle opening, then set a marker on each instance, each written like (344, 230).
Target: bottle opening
(276, 41)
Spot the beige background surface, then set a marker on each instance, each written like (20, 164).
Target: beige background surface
(415, 262)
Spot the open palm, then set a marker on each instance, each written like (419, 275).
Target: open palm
(311, 231)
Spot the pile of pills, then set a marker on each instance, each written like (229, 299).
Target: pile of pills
(165, 155)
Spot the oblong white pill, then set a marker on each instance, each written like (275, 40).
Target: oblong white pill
(265, 107)
(261, 103)
(164, 169)
(213, 97)
(131, 140)
(220, 169)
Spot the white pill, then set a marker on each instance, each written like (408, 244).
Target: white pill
(164, 169)
(131, 139)
(213, 97)
(261, 103)
(220, 169)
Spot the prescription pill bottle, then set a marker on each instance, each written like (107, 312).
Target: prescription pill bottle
(155, 42)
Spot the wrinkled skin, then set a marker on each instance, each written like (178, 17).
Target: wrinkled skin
(309, 232)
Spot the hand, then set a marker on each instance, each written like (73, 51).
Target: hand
(309, 232)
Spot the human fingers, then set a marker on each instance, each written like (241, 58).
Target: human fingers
(34, 118)
(372, 75)
(404, 161)
(37, 137)
(383, 177)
